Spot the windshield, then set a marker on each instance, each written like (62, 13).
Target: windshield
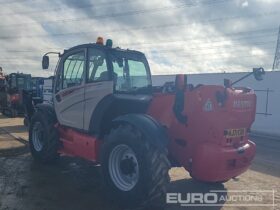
(131, 72)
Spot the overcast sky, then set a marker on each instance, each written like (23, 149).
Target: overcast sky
(177, 36)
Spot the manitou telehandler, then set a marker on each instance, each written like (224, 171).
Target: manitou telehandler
(105, 110)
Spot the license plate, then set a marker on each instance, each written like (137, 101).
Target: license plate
(232, 133)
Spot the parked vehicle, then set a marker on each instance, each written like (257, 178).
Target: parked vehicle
(17, 83)
(3, 84)
(105, 110)
(41, 93)
(37, 89)
(48, 89)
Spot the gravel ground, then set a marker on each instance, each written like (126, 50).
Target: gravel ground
(76, 184)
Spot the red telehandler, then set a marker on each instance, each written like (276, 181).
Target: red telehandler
(105, 110)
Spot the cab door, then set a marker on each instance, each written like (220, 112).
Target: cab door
(99, 82)
(69, 90)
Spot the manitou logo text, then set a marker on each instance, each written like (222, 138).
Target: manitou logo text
(239, 104)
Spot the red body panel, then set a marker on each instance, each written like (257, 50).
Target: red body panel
(215, 163)
(200, 145)
(78, 144)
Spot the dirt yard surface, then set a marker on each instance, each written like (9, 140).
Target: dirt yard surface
(75, 184)
(14, 126)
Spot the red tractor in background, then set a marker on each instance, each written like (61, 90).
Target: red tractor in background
(105, 110)
(16, 85)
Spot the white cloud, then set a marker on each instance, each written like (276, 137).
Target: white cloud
(202, 38)
(257, 51)
(245, 4)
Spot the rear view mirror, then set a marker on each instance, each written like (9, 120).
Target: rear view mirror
(45, 62)
(258, 73)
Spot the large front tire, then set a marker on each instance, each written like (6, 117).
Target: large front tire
(135, 171)
(43, 138)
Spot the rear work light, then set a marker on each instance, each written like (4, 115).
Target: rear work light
(100, 40)
(109, 43)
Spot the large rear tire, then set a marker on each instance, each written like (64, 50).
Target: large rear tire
(135, 171)
(43, 138)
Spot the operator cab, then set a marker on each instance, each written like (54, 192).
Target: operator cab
(90, 77)
(89, 63)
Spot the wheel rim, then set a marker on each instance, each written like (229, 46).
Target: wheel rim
(123, 167)
(37, 136)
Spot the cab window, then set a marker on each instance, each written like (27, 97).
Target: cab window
(73, 70)
(97, 70)
(131, 73)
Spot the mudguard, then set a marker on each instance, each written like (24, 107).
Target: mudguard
(153, 131)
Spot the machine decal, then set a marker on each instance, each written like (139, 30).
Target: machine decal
(241, 104)
(208, 106)
(68, 92)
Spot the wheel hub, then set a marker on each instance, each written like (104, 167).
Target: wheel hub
(127, 166)
(123, 167)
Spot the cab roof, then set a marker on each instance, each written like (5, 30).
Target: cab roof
(94, 45)
(19, 74)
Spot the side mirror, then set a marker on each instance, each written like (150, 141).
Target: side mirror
(258, 73)
(45, 62)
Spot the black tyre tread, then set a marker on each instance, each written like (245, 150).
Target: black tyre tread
(160, 179)
(49, 154)
(159, 164)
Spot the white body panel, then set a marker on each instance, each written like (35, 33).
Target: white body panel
(94, 93)
(68, 106)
